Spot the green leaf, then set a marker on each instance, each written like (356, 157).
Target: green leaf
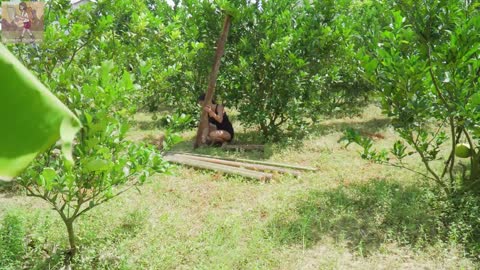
(88, 117)
(475, 99)
(388, 35)
(96, 165)
(398, 19)
(106, 70)
(49, 174)
(32, 118)
(371, 66)
(47, 177)
(144, 177)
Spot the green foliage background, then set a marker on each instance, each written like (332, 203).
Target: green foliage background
(287, 65)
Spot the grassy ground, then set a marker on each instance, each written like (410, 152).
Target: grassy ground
(348, 215)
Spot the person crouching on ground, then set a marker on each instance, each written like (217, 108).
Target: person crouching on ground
(220, 129)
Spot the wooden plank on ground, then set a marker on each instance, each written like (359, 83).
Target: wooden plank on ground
(218, 167)
(256, 167)
(282, 165)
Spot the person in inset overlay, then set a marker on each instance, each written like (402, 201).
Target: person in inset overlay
(27, 17)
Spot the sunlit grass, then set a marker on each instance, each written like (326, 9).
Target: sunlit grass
(350, 214)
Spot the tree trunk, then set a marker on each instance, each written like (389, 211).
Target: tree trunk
(213, 78)
(71, 239)
(265, 130)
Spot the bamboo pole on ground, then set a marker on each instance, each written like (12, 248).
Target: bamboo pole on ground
(213, 79)
(256, 167)
(282, 165)
(218, 167)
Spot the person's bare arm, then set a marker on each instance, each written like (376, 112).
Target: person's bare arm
(218, 117)
(220, 113)
(19, 17)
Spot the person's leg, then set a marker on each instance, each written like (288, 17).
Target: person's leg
(212, 127)
(220, 136)
(205, 134)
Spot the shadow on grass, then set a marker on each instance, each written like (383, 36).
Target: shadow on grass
(54, 260)
(6, 186)
(250, 137)
(9, 188)
(361, 215)
(94, 252)
(146, 124)
(369, 126)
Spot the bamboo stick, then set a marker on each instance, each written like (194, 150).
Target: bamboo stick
(283, 165)
(218, 167)
(256, 167)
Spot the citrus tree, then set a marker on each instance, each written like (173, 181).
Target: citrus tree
(286, 64)
(180, 54)
(87, 68)
(424, 62)
(36, 111)
(105, 163)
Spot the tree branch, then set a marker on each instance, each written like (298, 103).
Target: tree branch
(459, 133)
(436, 178)
(454, 142)
(434, 80)
(408, 169)
(104, 200)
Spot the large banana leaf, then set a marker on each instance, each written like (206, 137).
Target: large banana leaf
(31, 118)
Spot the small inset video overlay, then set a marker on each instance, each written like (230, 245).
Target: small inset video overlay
(22, 22)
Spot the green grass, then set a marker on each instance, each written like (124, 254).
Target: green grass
(350, 214)
(363, 216)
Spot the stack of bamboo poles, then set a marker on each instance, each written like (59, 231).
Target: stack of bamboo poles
(255, 169)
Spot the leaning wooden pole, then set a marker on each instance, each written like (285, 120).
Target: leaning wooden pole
(213, 78)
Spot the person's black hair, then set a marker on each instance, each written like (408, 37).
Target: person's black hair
(202, 98)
